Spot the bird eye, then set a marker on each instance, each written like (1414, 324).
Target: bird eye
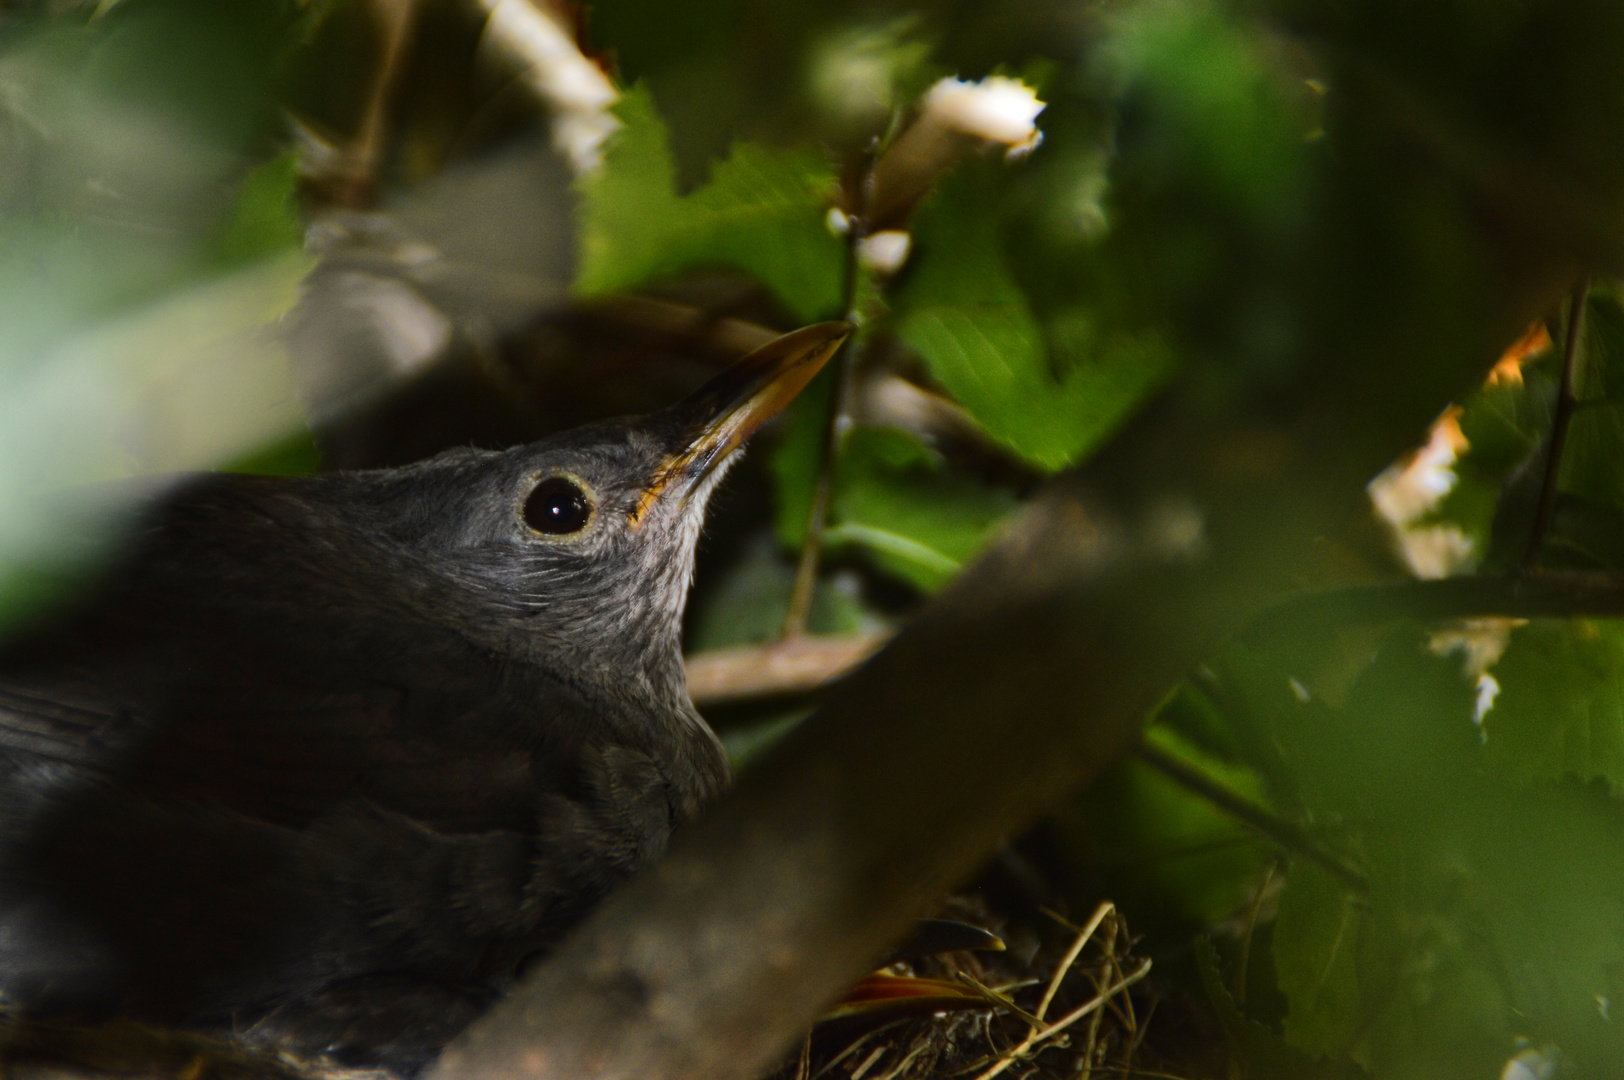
(557, 507)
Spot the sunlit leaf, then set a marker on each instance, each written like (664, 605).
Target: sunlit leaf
(961, 309)
(762, 212)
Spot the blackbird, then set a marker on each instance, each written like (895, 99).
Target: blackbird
(327, 759)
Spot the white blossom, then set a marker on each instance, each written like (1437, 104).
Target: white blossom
(998, 109)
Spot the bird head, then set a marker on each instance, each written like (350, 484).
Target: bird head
(580, 547)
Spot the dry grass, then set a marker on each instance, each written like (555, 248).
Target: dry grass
(1064, 1005)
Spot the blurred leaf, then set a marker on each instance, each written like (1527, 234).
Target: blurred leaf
(960, 308)
(745, 744)
(1593, 457)
(1258, 1052)
(265, 220)
(1225, 90)
(126, 351)
(1495, 911)
(1168, 855)
(745, 604)
(1218, 151)
(762, 212)
(190, 382)
(1560, 710)
(295, 455)
(1316, 938)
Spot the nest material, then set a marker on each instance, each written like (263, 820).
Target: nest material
(1067, 1004)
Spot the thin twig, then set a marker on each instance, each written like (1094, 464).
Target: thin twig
(852, 1048)
(396, 21)
(1009, 988)
(904, 1063)
(1559, 425)
(1138, 1038)
(1286, 834)
(1071, 955)
(844, 364)
(1047, 1032)
(1111, 969)
(868, 1062)
(997, 1000)
(1090, 1048)
(1251, 927)
(1539, 594)
(803, 1067)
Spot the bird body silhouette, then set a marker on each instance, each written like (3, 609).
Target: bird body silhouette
(328, 758)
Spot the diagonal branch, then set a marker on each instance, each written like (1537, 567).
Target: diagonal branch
(1028, 676)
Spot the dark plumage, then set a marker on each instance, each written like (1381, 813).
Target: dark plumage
(330, 757)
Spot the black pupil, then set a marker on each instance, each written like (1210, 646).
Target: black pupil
(557, 507)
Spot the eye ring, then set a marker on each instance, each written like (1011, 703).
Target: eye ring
(557, 506)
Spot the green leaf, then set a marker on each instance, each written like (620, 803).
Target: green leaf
(1495, 910)
(265, 219)
(1595, 442)
(1172, 856)
(762, 212)
(797, 457)
(1258, 1051)
(746, 603)
(295, 455)
(1217, 85)
(961, 309)
(1560, 710)
(896, 498)
(1316, 938)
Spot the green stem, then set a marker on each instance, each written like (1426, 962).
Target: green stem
(1559, 426)
(844, 364)
(1288, 835)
